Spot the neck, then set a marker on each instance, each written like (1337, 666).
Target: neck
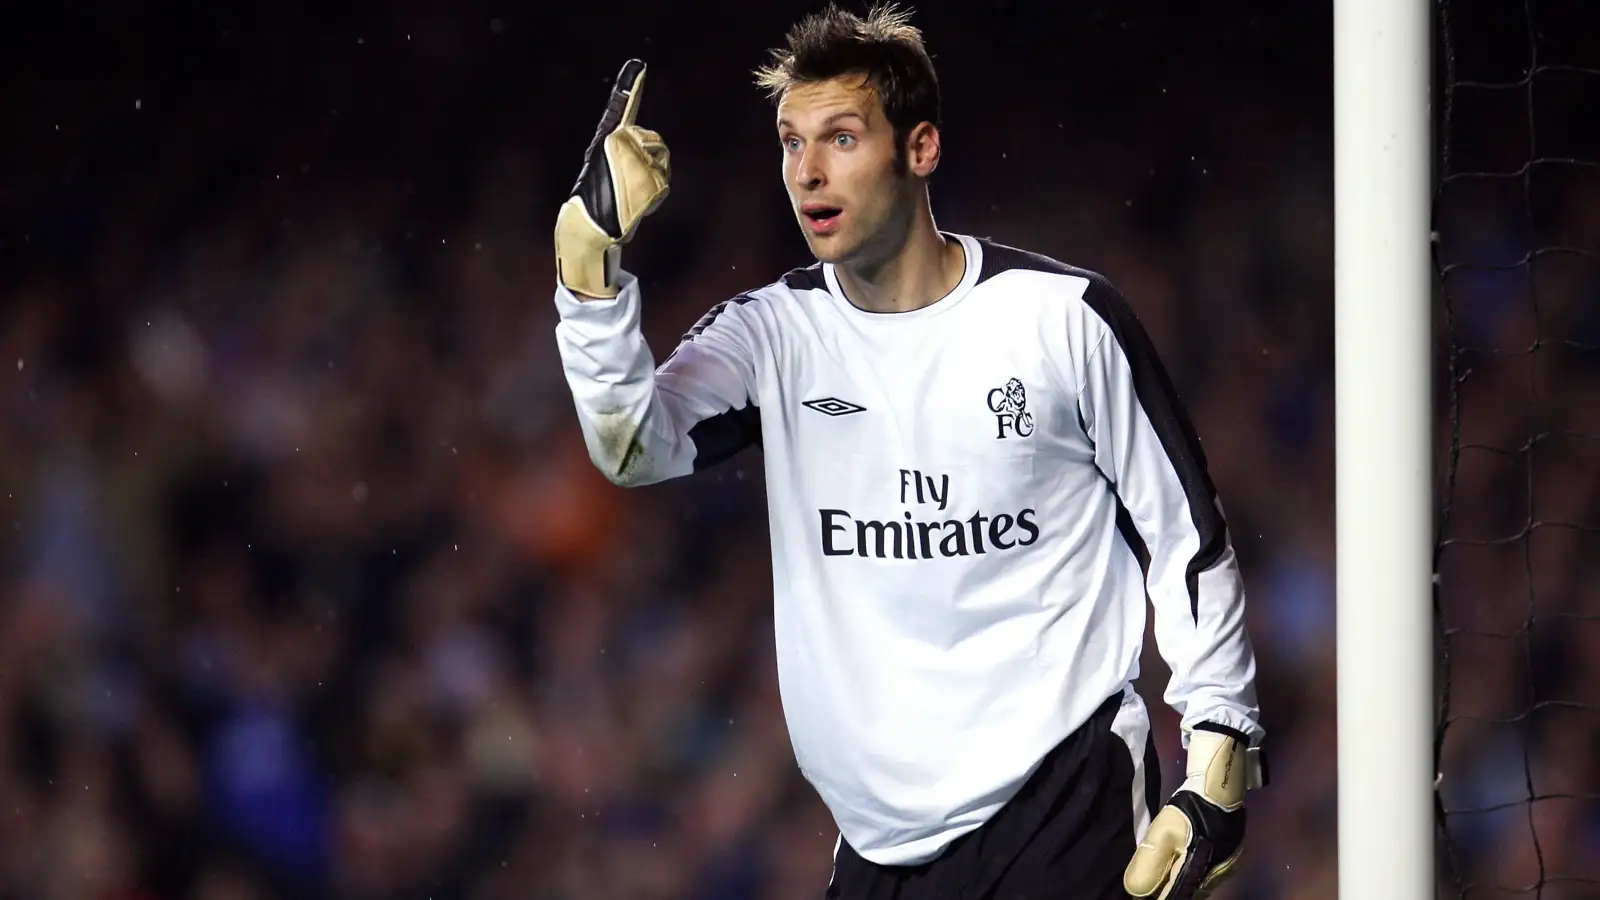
(921, 271)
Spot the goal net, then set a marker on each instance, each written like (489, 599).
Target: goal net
(1517, 567)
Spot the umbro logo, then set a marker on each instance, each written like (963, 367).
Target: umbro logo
(833, 406)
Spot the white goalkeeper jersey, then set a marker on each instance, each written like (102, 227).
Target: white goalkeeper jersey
(969, 505)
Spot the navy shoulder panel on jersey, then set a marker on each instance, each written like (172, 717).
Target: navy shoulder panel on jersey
(805, 279)
(808, 278)
(713, 313)
(998, 258)
(1101, 295)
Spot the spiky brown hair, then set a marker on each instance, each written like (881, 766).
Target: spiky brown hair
(883, 47)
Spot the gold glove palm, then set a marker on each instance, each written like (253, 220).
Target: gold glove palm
(1195, 841)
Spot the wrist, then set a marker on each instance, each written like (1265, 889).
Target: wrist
(1222, 766)
(587, 259)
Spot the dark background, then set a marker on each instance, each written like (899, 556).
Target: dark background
(309, 590)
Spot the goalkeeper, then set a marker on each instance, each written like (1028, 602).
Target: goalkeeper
(977, 474)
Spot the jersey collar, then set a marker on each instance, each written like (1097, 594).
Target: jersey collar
(971, 249)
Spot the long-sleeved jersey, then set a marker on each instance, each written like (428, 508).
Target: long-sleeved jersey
(969, 504)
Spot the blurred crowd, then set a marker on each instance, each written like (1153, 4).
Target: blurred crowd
(310, 591)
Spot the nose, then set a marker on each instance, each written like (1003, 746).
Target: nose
(807, 173)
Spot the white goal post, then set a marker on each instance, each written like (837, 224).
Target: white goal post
(1383, 411)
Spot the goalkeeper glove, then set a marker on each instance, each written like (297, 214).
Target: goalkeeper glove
(623, 179)
(1196, 839)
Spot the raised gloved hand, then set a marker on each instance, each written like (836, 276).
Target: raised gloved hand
(1195, 840)
(624, 178)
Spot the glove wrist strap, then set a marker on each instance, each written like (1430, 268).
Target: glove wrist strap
(588, 261)
(1221, 768)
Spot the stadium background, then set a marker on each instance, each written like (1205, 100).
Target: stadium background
(308, 588)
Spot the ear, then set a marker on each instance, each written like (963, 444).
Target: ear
(922, 149)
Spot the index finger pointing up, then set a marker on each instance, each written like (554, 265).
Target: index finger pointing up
(623, 106)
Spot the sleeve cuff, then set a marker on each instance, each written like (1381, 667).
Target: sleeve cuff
(1256, 768)
(600, 310)
(1227, 718)
(1234, 733)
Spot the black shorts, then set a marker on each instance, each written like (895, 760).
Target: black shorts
(1067, 834)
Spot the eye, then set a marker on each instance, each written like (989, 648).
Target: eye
(791, 144)
(844, 140)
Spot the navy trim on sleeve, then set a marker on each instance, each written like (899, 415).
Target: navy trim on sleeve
(1156, 394)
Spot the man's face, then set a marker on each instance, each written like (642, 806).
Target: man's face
(840, 170)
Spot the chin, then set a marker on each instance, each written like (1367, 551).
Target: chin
(826, 250)
(835, 249)
(827, 255)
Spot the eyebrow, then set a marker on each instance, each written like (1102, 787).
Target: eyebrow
(829, 121)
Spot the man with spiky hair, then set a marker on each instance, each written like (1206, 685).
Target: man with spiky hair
(978, 476)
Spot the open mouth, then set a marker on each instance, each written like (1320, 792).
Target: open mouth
(821, 220)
